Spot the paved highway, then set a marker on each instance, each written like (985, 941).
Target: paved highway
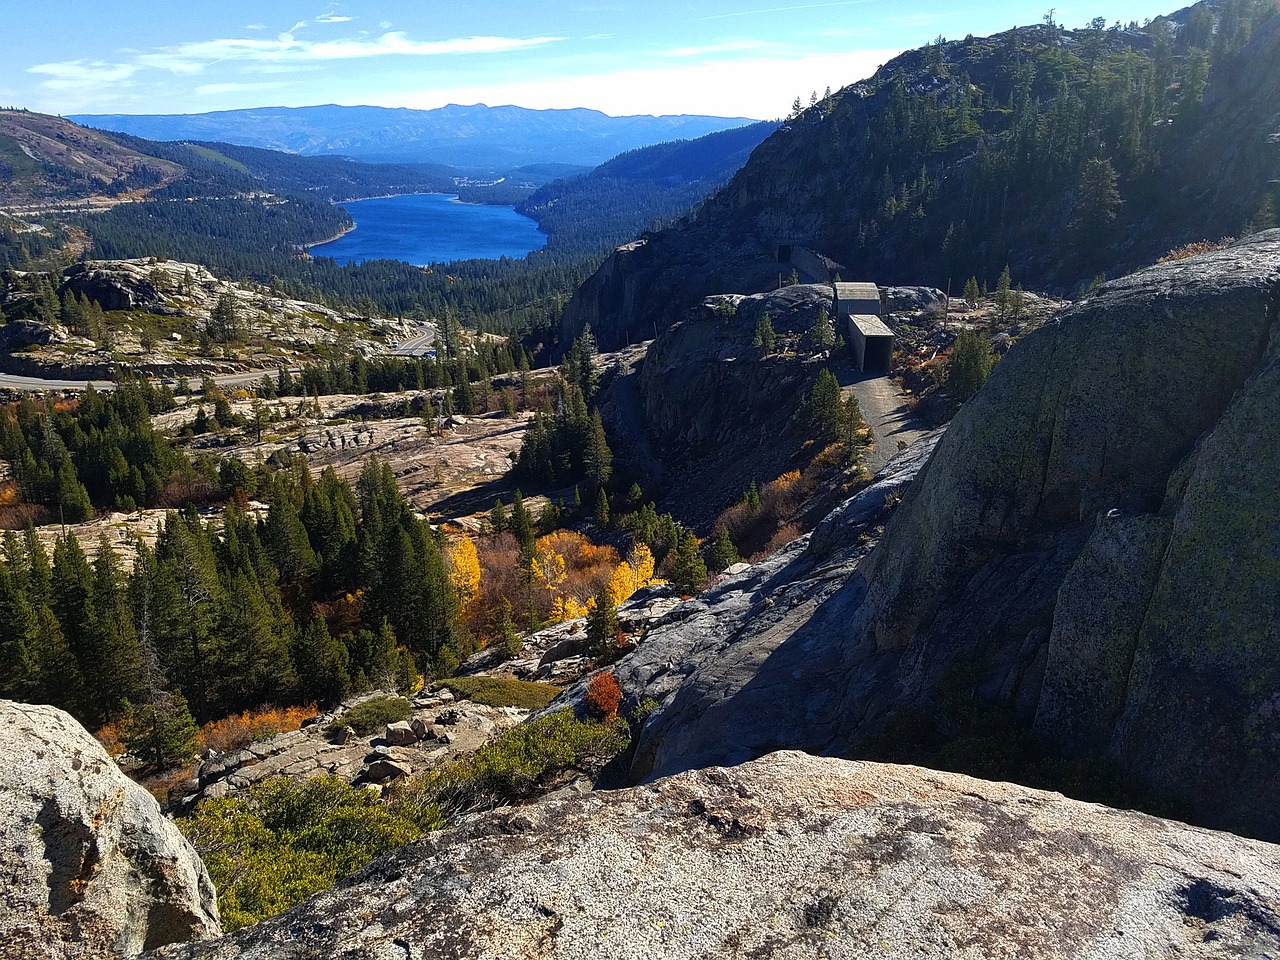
(12, 381)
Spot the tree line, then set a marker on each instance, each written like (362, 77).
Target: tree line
(334, 588)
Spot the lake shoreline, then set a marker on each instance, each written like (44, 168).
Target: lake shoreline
(424, 229)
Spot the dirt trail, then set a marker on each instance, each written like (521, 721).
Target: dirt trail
(885, 409)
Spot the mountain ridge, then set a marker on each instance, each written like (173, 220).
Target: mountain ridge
(472, 136)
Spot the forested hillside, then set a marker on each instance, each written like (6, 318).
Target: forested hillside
(639, 189)
(1063, 153)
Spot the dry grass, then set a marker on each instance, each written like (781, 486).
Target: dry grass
(1195, 249)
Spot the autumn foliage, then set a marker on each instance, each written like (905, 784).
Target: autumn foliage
(604, 696)
(241, 729)
(565, 572)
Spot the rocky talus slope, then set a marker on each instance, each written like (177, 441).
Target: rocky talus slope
(89, 867)
(795, 856)
(1092, 550)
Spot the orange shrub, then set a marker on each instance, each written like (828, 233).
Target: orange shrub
(239, 730)
(109, 737)
(604, 696)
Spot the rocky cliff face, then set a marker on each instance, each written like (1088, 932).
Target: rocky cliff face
(794, 856)
(707, 412)
(90, 867)
(816, 182)
(1091, 549)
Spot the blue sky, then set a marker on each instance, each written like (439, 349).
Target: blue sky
(724, 57)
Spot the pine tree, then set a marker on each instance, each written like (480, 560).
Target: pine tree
(971, 292)
(723, 552)
(689, 571)
(161, 733)
(824, 407)
(113, 654)
(498, 517)
(598, 459)
(321, 663)
(505, 633)
(969, 364)
(821, 334)
(602, 508)
(1003, 295)
(602, 627)
(521, 523)
(764, 337)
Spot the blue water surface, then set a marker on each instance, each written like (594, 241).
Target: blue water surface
(431, 228)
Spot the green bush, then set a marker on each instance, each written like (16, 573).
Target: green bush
(969, 365)
(371, 716)
(500, 691)
(273, 846)
(524, 761)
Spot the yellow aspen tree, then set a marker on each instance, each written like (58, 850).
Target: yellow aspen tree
(622, 583)
(641, 560)
(464, 574)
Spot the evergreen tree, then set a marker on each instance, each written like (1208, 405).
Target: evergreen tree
(602, 508)
(598, 460)
(521, 523)
(321, 664)
(224, 322)
(969, 364)
(971, 292)
(821, 334)
(498, 517)
(602, 627)
(505, 633)
(19, 672)
(1097, 200)
(723, 552)
(689, 571)
(113, 656)
(1003, 295)
(765, 338)
(825, 410)
(161, 733)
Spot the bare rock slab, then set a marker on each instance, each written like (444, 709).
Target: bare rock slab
(89, 867)
(796, 856)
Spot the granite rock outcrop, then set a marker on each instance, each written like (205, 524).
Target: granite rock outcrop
(795, 856)
(91, 868)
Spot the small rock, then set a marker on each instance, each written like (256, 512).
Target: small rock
(343, 736)
(449, 717)
(400, 734)
(419, 727)
(381, 771)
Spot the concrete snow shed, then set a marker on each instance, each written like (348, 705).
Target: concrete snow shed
(870, 342)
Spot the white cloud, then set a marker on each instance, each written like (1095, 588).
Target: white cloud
(333, 18)
(255, 26)
(191, 57)
(749, 87)
(384, 24)
(73, 74)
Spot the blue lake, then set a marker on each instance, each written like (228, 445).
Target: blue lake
(431, 228)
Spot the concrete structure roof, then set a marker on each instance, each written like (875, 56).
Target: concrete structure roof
(857, 291)
(870, 326)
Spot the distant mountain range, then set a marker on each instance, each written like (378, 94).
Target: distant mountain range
(477, 138)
